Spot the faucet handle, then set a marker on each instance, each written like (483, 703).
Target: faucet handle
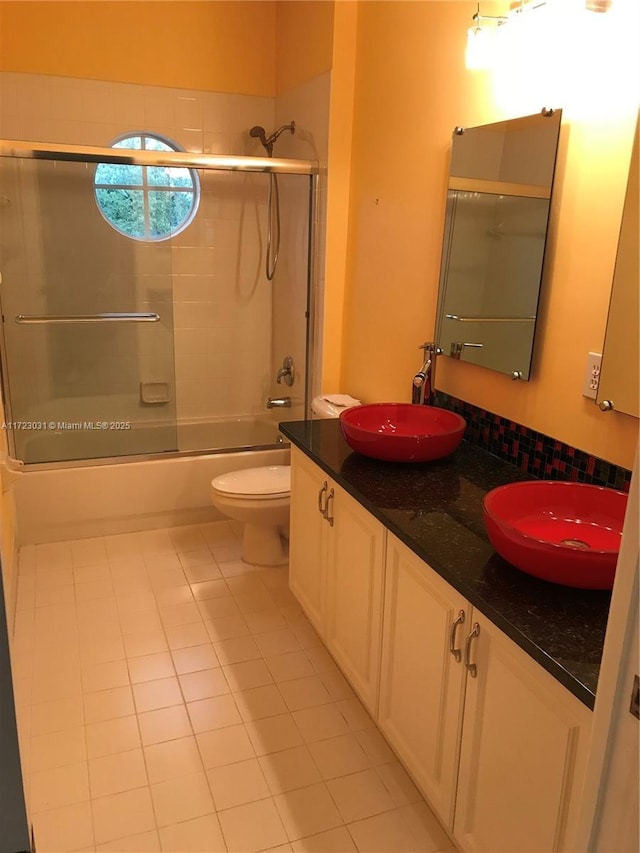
(422, 389)
(286, 372)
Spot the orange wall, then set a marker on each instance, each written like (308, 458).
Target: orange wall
(223, 46)
(411, 90)
(303, 41)
(338, 187)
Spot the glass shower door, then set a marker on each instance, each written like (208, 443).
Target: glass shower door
(88, 361)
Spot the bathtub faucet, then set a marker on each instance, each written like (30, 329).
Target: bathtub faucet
(279, 403)
(422, 390)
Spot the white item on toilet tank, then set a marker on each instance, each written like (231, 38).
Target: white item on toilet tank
(330, 405)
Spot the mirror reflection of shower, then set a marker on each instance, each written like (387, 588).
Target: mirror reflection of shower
(273, 198)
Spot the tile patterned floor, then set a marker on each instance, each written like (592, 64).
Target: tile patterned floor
(171, 697)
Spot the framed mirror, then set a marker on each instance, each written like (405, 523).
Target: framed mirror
(619, 387)
(497, 216)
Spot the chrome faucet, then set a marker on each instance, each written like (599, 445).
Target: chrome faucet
(422, 390)
(279, 403)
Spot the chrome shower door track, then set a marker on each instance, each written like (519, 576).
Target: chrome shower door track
(134, 157)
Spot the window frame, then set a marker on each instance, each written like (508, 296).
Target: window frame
(145, 187)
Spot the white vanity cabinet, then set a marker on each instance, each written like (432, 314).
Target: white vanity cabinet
(496, 744)
(336, 570)
(421, 679)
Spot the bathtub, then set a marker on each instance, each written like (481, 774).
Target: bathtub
(80, 441)
(103, 497)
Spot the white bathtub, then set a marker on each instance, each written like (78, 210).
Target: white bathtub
(103, 499)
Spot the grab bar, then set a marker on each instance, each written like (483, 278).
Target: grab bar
(55, 319)
(490, 319)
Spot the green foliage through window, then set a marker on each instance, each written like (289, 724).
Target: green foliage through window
(146, 202)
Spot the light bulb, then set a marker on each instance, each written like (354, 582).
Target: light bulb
(478, 54)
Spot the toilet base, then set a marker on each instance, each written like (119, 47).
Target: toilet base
(262, 545)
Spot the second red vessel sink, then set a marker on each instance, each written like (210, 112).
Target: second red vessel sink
(566, 533)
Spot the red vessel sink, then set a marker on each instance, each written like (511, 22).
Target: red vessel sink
(566, 533)
(402, 432)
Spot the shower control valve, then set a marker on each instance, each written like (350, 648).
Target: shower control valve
(286, 372)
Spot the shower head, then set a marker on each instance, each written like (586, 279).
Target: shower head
(267, 141)
(259, 133)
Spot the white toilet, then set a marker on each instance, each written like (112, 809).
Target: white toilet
(260, 498)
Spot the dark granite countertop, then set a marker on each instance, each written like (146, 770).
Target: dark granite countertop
(435, 508)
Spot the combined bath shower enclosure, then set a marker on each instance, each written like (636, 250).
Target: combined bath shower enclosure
(98, 324)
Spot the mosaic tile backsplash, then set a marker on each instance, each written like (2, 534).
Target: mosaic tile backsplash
(538, 455)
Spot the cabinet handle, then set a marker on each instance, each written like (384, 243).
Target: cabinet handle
(452, 636)
(326, 514)
(472, 668)
(322, 509)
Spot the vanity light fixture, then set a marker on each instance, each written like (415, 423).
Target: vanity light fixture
(480, 37)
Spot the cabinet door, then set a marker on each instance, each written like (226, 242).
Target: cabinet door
(422, 683)
(307, 538)
(355, 583)
(524, 746)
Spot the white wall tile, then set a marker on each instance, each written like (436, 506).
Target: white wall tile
(98, 102)
(128, 104)
(188, 112)
(189, 139)
(158, 109)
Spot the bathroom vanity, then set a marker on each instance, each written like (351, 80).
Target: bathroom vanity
(481, 678)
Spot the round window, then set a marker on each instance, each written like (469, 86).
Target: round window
(146, 202)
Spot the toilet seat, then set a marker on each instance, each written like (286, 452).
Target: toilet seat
(266, 483)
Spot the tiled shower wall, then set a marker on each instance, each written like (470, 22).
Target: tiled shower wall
(223, 308)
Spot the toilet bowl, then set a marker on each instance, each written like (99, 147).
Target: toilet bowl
(260, 498)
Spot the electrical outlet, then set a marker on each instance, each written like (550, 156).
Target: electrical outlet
(592, 375)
